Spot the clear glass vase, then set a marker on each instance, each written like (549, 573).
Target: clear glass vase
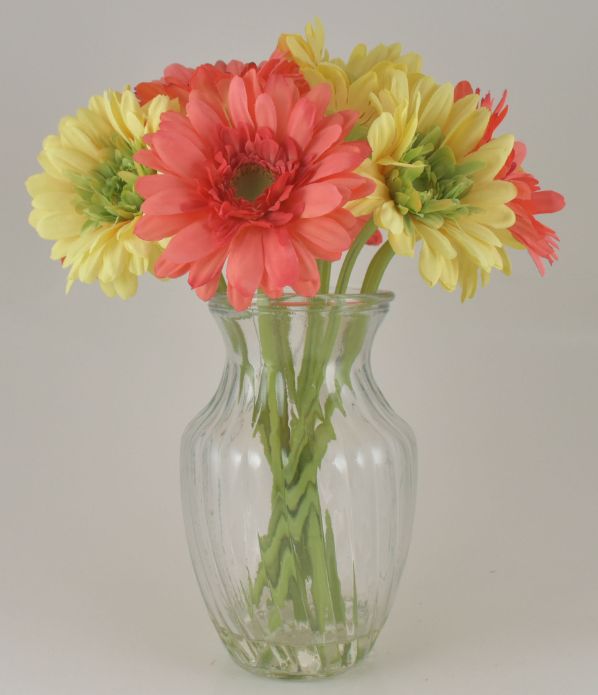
(298, 484)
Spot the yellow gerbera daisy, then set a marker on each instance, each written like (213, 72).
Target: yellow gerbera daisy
(352, 81)
(433, 186)
(85, 201)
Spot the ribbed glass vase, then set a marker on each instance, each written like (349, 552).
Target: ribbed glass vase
(298, 485)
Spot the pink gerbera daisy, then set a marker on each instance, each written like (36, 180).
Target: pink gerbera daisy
(257, 180)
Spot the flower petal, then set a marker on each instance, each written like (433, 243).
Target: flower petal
(237, 105)
(316, 199)
(156, 227)
(308, 282)
(246, 261)
(280, 259)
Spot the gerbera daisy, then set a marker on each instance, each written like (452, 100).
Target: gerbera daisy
(541, 242)
(432, 188)
(178, 80)
(352, 81)
(173, 83)
(85, 201)
(261, 182)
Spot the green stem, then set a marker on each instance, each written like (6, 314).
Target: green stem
(324, 268)
(222, 284)
(294, 419)
(297, 553)
(349, 262)
(376, 268)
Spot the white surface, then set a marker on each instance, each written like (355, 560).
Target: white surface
(97, 594)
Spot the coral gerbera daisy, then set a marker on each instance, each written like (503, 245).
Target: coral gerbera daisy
(260, 183)
(85, 201)
(541, 242)
(178, 80)
(433, 188)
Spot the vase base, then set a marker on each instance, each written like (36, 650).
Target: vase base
(296, 660)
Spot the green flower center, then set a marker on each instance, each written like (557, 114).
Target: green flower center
(107, 194)
(433, 184)
(251, 180)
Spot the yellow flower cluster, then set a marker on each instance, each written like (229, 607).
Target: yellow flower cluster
(352, 82)
(435, 186)
(85, 200)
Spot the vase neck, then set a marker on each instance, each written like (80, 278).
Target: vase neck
(315, 344)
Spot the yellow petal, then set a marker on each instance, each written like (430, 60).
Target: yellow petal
(89, 268)
(406, 136)
(493, 155)
(138, 265)
(55, 225)
(461, 110)
(482, 232)
(68, 159)
(381, 136)
(508, 239)
(468, 133)
(358, 95)
(481, 254)
(430, 266)
(388, 217)
(115, 261)
(399, 87)
(450, 274)
(299, 51)
(437, 110)
(497, 217)
(155, 108)
(75, 138)
(108, 288)
(60, 248)
(126, 285)
(54, 201)
(436, 240)
(506, 262)
(44, 183)
(490, 194)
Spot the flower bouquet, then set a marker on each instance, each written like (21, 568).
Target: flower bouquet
(252, 180)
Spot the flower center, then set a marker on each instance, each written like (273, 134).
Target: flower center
(433, 183)
(251, 180)
(107, 194)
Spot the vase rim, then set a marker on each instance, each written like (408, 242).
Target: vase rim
(352, 300)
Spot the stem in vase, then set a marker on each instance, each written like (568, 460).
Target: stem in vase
(297, 552)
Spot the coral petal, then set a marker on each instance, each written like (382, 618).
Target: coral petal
(280, 258)
(316, 199)
(156, 227)
(195, 241)
(237, 104)
(547, 201)
(246, 261)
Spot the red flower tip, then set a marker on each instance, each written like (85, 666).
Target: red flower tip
(497, 115)
(376, 239)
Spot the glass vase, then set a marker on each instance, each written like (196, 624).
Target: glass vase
(298, 485)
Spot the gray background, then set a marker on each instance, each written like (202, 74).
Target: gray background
(97, 594)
